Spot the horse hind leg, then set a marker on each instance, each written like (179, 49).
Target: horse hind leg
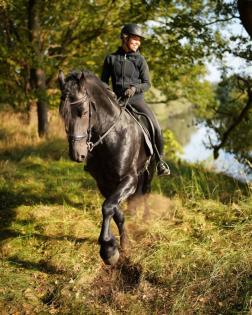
(146, 189)
(135, 200)
(119, 220)
(133, 203)
(140, 197)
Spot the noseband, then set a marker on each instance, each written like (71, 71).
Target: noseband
(77, 138)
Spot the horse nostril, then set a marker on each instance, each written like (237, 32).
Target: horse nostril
(82, 157)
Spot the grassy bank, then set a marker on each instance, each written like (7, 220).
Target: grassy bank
(192, 255)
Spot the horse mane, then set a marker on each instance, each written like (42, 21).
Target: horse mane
(97, 91)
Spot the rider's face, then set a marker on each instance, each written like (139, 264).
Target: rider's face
(134, 42)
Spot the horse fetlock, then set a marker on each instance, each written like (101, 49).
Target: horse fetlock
(107, 242)
(113, 259)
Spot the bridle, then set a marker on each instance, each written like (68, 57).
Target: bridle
(74, 138)
(91, 145)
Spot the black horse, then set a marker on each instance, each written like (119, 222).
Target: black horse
(102, 133)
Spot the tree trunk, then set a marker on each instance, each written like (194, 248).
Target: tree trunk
(37, 74)
(42, 108)
(245, 10)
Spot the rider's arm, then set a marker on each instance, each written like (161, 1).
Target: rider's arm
(144, 76)
(106, 72)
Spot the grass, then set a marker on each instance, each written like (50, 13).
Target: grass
(192, 255)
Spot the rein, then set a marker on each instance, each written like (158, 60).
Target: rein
(91, 145)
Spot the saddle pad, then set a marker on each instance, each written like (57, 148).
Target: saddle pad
(146, 133)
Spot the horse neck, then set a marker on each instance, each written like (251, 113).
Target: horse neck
(107, 112)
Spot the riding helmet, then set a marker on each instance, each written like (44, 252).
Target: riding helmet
(131, 29)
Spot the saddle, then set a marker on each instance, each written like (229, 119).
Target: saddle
(141, 119)
(146, 125)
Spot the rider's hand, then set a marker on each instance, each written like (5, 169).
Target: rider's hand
(130, 91)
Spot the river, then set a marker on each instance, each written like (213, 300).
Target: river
(194, 139)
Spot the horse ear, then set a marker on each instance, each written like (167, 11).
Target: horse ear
(82, 76)
(93, 104)
(61, 79)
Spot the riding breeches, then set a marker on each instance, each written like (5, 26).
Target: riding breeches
(141, 106)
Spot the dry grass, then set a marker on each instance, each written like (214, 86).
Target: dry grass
(190, 255)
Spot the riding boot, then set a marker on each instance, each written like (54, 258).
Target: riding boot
(162, 167)
(157, 137)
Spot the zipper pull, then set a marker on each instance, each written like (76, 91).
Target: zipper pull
(125, 57)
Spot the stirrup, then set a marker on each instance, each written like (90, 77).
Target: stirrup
(163, 168)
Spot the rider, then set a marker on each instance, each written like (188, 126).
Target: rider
(130, 79)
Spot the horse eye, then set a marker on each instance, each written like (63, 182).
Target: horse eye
(82, 113)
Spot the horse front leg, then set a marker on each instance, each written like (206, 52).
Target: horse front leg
(110, 209)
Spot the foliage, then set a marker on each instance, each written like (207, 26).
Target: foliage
(231, 117)
(229, 111)
(4, 4)
(77, 34)
(171, 146)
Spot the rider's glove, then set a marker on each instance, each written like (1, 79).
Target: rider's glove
(130, 91)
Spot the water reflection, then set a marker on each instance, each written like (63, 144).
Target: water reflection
(195, 138)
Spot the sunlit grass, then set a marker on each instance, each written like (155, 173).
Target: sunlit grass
(191, 255)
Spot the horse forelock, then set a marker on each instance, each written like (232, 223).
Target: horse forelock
(73, 83)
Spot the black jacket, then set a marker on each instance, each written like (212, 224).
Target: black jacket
(125, 70)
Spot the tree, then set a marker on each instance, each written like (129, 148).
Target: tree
(230, 114)
(245, 10)
(40, 36)
(231, 117)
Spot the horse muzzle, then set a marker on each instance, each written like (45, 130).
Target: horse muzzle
(78, 154)
(80, 159)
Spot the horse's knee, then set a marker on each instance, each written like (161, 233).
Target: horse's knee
(108, 210)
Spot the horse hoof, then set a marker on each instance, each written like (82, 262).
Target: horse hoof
(112, 260)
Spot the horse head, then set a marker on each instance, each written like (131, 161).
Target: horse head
(74, 109)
